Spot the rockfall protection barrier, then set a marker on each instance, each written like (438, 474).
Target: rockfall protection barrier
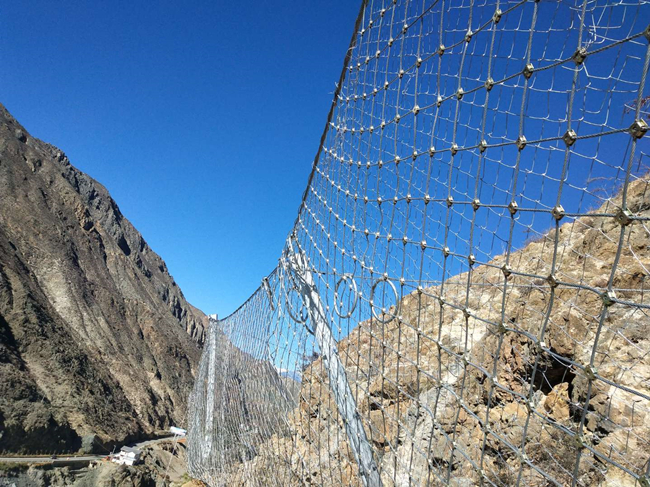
(463, 298)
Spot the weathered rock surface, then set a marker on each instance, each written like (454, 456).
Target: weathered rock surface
(96, 338)
(537, 378)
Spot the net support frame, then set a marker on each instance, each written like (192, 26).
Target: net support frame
(339, 384)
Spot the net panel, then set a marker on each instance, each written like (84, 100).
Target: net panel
(476, 230)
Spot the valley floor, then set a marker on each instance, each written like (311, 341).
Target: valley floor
(163, 465)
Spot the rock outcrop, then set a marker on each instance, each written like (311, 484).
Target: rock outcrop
(533, 377)
(97, 343)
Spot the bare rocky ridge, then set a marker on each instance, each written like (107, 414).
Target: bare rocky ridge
(424, 385)
(97, 342)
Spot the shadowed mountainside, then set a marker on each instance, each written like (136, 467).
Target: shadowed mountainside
(97, 341)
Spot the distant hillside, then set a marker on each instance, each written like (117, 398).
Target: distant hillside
(96, 338)
(243, 397)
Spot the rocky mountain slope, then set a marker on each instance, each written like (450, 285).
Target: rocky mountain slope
(97, 342)
(496, 385)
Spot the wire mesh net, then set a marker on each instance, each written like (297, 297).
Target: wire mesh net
(463, 299)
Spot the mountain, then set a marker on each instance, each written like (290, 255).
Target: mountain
(97, 342)
(290, 374)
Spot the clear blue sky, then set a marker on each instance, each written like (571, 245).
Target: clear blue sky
(201, 118)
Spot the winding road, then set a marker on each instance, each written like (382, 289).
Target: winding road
(64, 459)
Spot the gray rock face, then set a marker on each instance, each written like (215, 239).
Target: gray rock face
(96, 338)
